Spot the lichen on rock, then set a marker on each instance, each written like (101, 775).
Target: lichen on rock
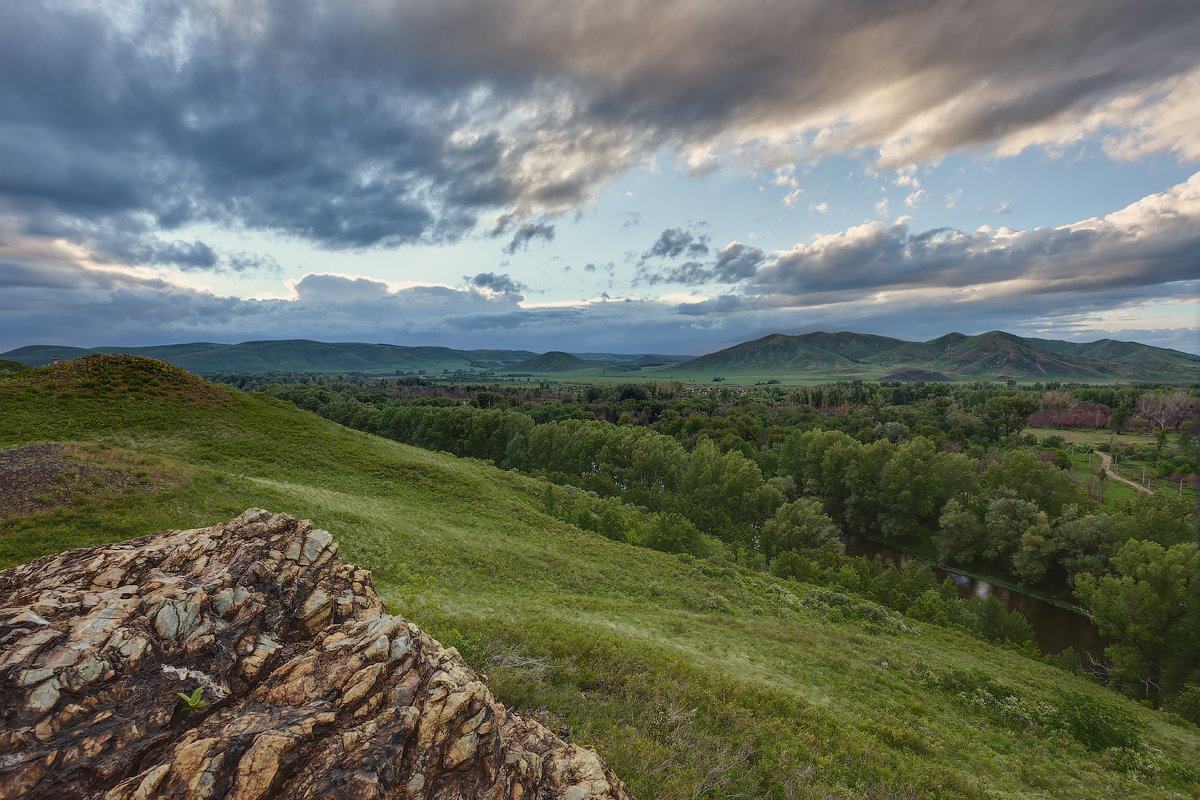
(311, 689)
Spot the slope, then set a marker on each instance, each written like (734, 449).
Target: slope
(692, 678)
(997, 354)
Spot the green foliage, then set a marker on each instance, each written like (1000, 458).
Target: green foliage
(674, 533)
(1187, 703)
(796, 526)
(1009, 414)
(962, 537)
(1145, 604)
(193, 702)
(1098, 724)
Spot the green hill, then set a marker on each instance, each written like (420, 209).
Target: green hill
(554, 361)
(990, 356)
(694, 678)
(770, 355)
(1003, 355)
(9, 367)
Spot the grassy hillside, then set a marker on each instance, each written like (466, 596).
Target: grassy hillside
(694, 679)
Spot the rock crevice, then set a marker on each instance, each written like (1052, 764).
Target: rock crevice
(311, 689)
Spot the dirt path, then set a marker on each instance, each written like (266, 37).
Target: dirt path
(1106, 462)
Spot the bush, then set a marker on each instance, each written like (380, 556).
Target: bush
(1098, 724)
(1187, 703)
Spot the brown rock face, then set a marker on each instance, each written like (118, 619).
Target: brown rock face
(311, 689)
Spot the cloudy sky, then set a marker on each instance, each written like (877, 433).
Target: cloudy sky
(624, 175)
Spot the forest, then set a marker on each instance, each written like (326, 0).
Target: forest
(772, 477)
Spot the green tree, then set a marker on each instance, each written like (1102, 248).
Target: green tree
(1033, 480)
(1144, 605)
(800, 525)
(1008, 517)
(1038, 551)
(674, 533)
(1008, 414)
(1160, 517)
(961, 537)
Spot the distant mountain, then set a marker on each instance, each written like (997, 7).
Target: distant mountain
(990, 356)
(554, 361)
(297, 355)
(812, 356)
(631, 359)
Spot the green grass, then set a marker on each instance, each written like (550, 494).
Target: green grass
(693, 679)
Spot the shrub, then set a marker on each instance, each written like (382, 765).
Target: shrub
(1098, 724)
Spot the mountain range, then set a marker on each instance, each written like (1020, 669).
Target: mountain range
(989, 356)
(812, 356)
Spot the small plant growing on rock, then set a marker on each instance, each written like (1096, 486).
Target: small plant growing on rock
(192, 702)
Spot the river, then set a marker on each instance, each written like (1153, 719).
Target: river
(1054, 628)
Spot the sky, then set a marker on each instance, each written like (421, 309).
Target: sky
(616, 176)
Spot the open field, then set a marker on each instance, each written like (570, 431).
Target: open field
(693, 678)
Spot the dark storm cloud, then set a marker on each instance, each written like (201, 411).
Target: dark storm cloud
(738, 261)
(379, 124)
(527, 233)
(496, 283)
(676, 242)
(734, 263)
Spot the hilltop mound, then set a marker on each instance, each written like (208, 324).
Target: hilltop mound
(9, 367)
(308, 687)
(554, 361)
(109, 375)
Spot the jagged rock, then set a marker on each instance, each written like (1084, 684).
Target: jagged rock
(312, 690)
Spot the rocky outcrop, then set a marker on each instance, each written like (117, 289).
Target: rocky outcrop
(311, 689)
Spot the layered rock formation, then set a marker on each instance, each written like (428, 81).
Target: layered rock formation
(311, 689)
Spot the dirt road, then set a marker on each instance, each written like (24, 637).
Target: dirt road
(1106, 462)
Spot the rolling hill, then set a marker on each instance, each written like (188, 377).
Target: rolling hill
(694, 678)
(810, 357)
(297, 355)
(554, 361)
(990, 356)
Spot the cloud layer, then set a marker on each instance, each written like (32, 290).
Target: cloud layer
(382, 123)
(1059, 282)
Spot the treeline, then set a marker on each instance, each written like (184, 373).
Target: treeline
(946, 477)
